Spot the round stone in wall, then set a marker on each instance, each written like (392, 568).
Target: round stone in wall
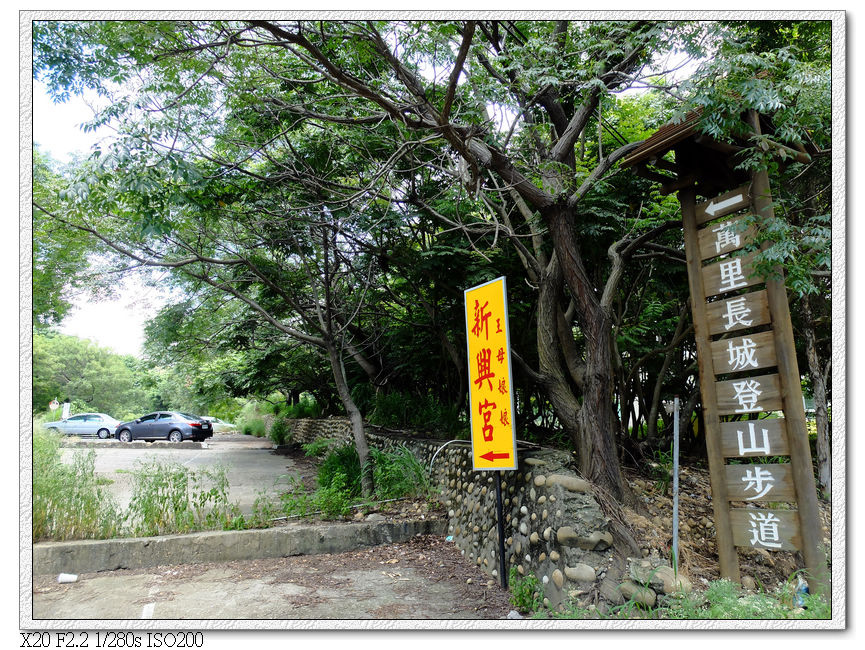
(558, 578)
(580, 573)
(638, 593)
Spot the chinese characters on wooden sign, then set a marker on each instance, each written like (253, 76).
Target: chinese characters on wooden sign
(746, 392)
(491, 400)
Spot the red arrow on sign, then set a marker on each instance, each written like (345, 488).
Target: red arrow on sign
(491, 456)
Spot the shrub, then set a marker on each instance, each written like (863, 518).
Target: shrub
(257, 427)
(526, 593)
(343, 464)
(306, 408)
(317, 447)
(404, 410)
(280, 432)
(296, 501)
(336, 498)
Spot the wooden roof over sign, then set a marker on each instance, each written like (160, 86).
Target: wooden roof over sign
(663, 140)
(709, 163)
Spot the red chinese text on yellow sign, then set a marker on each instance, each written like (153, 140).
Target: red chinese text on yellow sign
(491, 400)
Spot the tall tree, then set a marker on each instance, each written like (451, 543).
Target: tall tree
(60, 254)
(267, 159)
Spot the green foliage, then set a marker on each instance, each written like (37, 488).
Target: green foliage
(250, 421)
(662, 469)
(171, 498)
(400, 410)
(255, 427)
(280, 432)
(526, 592)
(722, 600)
(398, 473)
(335, 498)
(68, 367)
(60, 254)
(725, 600)
(341, 467)
(787, 78)
(68, 501)
(295, 501)
(305, 408)
(317, 447)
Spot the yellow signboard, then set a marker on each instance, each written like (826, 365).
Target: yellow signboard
(491, 400)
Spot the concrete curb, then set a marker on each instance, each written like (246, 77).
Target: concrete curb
(90, 556)
(137, 444)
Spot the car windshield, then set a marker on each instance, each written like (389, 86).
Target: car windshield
(190, 417)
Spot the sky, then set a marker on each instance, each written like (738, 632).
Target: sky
(117, 323)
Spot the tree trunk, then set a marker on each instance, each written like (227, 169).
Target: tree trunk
(354, 417)
(596, 429)
(818, 384)
(550, 362)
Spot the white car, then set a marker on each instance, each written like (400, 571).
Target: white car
(220, 426)
(85, 424)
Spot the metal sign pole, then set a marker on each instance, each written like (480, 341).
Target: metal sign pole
(500, 523)
(676, 485)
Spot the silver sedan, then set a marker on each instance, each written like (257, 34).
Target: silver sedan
(85, 424)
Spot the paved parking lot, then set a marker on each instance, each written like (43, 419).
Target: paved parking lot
(250, 463)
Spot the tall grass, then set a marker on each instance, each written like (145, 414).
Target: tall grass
(68, 501)
(398, 473)
(280, 432)
(171, 498)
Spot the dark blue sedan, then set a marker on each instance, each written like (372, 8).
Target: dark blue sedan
(165, 425)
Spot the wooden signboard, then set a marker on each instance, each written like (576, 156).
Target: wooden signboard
(771, 530)
(747, 370)
(740, 312)
(722, 205)
(757, 482)
(730, 274)
(752, 438)
(744, 353)
(724, 237)
(760, 394)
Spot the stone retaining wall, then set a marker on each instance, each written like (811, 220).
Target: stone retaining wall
(554, 527)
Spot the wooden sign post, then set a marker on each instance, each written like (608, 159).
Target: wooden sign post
(749, 378)
(750, 385)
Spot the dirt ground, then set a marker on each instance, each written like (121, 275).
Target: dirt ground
(697, 551)
(425, 578)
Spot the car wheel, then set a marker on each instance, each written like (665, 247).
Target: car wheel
(125, 436)
(175, 436)
(103, 434)
(54, 430)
